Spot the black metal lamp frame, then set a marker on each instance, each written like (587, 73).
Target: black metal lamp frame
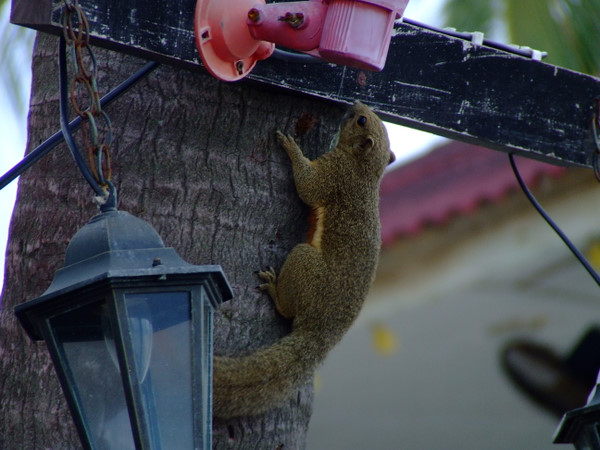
(114, 257)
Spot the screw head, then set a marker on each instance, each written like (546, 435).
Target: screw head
(239, 66)
(254, 15)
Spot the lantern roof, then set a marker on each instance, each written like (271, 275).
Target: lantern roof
(111, 231)
(114, 249)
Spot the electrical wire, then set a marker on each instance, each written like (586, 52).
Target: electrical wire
(582, 259)
(303, 58)
(295, 57)
(521, 51)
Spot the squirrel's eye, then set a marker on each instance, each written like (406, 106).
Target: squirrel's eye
(362, 121)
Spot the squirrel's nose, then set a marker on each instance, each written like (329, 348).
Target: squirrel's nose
(392, 157)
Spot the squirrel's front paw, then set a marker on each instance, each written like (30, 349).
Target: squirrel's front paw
(286, 141)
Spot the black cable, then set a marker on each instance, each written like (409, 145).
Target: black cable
(521, 51)
(294, 57)
(304, 58)
(552, 224)
(41, 150)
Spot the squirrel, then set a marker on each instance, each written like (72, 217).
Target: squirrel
(323, 283)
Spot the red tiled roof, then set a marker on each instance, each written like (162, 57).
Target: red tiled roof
(453, 179)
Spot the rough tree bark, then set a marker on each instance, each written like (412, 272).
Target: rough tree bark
(197, 159)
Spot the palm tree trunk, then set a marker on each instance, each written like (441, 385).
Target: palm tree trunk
(197, 159)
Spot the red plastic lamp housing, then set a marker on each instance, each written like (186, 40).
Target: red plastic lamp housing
(226, 47)
(232, 35)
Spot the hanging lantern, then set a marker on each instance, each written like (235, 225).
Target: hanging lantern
(128, 325)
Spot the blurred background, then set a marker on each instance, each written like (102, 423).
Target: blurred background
(473, 292)
(474, 333)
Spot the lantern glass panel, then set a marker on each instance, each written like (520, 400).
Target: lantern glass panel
(95, 379)
(160, 335)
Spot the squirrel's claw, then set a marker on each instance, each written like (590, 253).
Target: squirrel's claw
(269, 275)
(285, 140)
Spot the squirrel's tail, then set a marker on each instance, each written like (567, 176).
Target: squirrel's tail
(252, 384)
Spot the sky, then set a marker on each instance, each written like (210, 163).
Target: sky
(405, 142)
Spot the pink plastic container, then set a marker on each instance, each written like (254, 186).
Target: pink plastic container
(233, 35)
(357, 33)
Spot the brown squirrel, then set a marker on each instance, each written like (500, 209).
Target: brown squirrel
(323, 283)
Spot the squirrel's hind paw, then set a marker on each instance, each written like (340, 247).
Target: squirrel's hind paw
(270, 286)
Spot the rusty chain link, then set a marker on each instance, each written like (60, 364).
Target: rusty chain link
(77, 37)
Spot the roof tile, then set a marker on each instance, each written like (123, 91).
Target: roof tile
(455, 178)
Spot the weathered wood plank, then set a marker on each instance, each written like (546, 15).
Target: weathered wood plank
(432, 81)
(475, 94)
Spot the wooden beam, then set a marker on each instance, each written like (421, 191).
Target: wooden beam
(432, 81)
(466, 92)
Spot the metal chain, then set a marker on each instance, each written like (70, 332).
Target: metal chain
(77, 37)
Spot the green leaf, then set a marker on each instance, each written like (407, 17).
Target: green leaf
(469, 15)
